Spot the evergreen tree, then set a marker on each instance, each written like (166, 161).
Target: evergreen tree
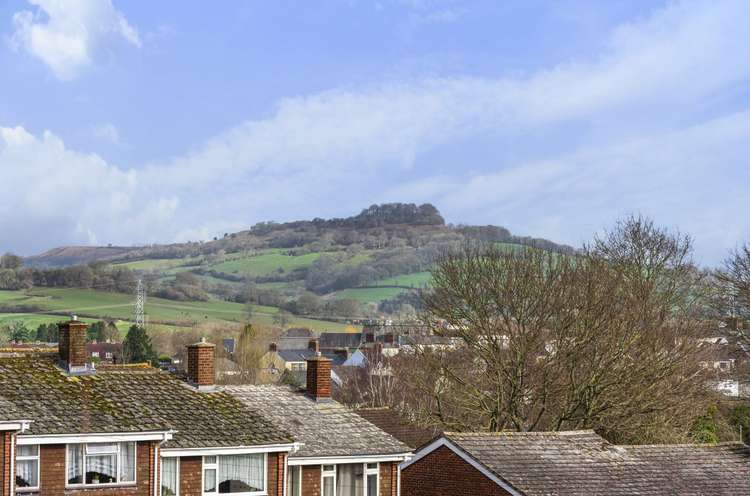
(137, 346)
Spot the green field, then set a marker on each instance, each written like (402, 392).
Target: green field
(98, 304)
(265, 263)
(368, 295)
(416, 280)
(158, 264)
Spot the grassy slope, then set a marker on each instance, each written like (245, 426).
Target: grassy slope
(97, 304)
(265, 263)
(416, 280)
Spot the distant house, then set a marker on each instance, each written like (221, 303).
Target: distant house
(341, 453)
(340, 340)
(295, 338)
(105, 352)
(571, 464)
(275, 361)
(229, 345)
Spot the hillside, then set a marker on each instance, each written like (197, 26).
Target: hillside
(336, 270)
(74, 255)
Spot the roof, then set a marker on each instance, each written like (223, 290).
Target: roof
(292, 343)
(229, 344)
(397, 426)
(128, 398)
(340, 340)
(304, 355)
(298, 332)
(581, 462)
(326, 428)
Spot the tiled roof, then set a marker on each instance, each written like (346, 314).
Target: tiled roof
(128, 399)
(326, 428)
(582, 463)
(303, 355)
(398, 427)
(332, 340)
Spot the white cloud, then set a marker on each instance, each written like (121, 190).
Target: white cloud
(65, 34)
(107, 132)
(629, 126)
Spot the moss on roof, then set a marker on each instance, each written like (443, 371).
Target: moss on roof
(128, 399)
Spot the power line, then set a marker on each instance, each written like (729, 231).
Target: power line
(140, 303)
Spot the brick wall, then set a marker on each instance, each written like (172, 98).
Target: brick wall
(388, 479)
(6, 438)
(443, 473)
(201, 369)
(191, 477)
(311, 480)
(276, 480)
(53, 476)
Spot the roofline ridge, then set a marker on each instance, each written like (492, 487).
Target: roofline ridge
(525, 433)
(685, 445)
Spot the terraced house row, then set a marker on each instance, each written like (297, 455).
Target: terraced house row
(68, 428)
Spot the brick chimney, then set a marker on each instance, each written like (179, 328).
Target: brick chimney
(319, 378)
(72, 345)
(313, 345)
(200, 364)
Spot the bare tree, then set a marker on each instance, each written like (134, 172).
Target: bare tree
(733, 289)
(603, 339)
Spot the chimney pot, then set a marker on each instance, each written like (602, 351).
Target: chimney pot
(314, 345)
(273, 347)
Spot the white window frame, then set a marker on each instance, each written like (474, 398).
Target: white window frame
(215, 466)
(327, 474)
(372, 471)
(161, 473)
(332, 474)
(289, 472)
(119, 483)
(36, 457)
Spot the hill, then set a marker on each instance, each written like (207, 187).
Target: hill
(75, 255)
(325, 270)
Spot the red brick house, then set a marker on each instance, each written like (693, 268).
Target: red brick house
(341, 453)
(130, 429)
(573, 463)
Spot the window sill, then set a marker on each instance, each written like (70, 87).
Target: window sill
(97, 486)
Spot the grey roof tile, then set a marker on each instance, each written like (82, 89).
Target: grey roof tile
(325, 428)
(583, 463)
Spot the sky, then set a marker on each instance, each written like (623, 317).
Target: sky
(131, 122)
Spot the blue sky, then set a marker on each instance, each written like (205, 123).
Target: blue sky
(136, 122)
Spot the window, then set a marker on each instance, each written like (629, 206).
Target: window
(95, 354)
(27, 467)
(350, 479)
(170, 477)
(372, 479)
(234, 474)
(294, 480)
(108, 355)
(329, 480)
(100, 463)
